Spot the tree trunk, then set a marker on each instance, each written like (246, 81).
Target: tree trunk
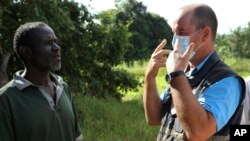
(3, 69)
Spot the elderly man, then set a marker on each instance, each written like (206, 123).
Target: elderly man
(37, 105)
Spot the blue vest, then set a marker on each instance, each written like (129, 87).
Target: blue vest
(212, 71)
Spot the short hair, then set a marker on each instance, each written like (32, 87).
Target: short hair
(205, 16)
(24, 35)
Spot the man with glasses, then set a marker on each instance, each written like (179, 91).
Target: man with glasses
(204, 95)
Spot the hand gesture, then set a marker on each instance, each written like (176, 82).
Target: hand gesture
(178, 61)
(158, 59)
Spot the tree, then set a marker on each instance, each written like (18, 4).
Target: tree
(147, 29)
(235, 44)
(222, 45)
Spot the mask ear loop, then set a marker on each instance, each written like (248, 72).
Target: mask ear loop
(194, 52)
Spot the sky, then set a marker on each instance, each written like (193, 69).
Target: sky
(230, 13)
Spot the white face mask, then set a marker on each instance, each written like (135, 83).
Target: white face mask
(184, 41)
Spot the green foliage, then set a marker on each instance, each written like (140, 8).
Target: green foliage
(113, 41)
(138, 70)
(236, 44)
(110, 82)
(147, 29)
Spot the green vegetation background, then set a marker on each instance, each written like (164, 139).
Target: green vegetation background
(112, 120)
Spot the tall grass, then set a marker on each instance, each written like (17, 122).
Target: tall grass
(112, 120)
(240, 65)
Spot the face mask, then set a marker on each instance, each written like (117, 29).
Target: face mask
(184, 41)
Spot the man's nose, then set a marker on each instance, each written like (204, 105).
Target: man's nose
(56, 46)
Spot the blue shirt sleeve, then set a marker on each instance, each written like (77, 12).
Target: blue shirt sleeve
(221, 99)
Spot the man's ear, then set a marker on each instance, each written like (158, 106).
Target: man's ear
(25, 52)
(206, 33)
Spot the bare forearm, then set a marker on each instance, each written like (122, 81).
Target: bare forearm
(152, 102)
(151, 99)
(195, 120)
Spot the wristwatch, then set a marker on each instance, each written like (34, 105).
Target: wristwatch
(174, 74)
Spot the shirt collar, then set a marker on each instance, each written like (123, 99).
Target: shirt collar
(198, 67)
(20, 82)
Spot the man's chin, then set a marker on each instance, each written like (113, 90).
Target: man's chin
(55, 68)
